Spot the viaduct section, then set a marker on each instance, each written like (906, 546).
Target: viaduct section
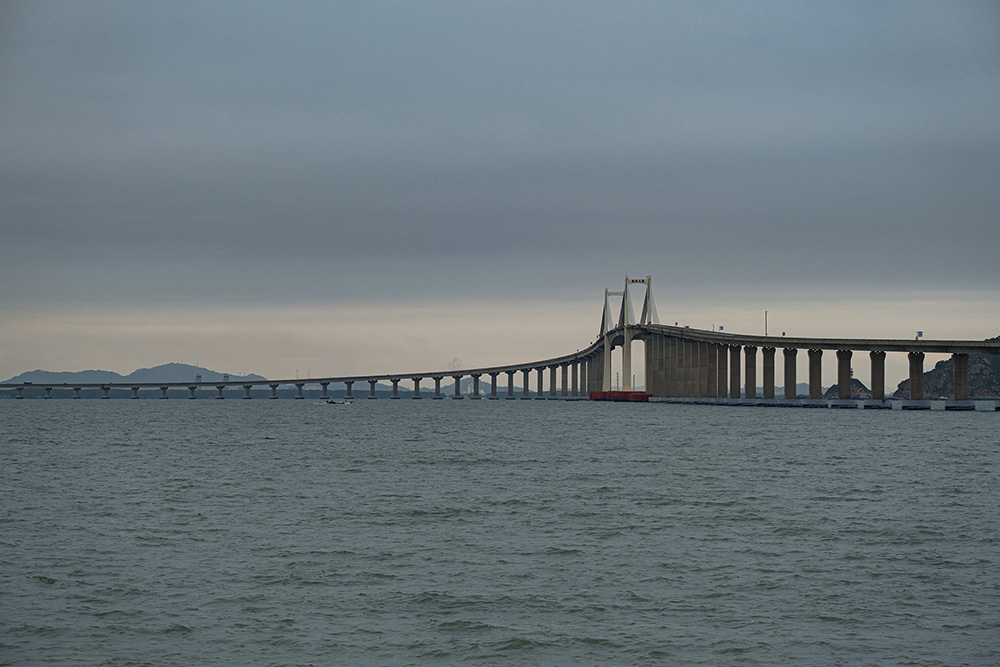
(691, 363)
(680, 364)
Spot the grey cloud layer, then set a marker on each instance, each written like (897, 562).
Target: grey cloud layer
(153, 151)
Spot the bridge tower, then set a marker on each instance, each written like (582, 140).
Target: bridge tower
(626, 320)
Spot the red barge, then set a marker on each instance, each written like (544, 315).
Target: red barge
(621, 396)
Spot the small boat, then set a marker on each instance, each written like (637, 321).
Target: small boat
(331, 401)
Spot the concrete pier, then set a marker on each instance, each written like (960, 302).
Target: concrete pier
(916, 375)
(791, 386)
(348, 395)
(734, 372)
(416, 388)
(712, 370)
(815, 374)
(437, 387)
(750, 390)
(878, 374)
(510, 385)
(274, 390)
(960, 377)
(767, 362)
(371, 389)
(246, 391)
(844, 374)
(298, 390)
(722, 369)
(395, 387)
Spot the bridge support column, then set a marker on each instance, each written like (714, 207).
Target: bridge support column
(349, 394)
(815, 374)
(791, 386)
(712, 362)
(767, 362)
(878, 374)
(525, 390)
(564, 387)
(722, 369)
(416, 387)
(218, 387)
(325, 394)
(606, 362)
(191, 389)
(106, 391)
(541, 384)
(510, 385)
(298, 390)
(671, 367)
(76, 392)
(734, 371)
(680, 371)
(437, 387)
(700, 365)
(274, 391)
(583, 377)
(626, 360)
(493, 386)
(246, 391)
(135, 392)
(48, 392)
(458, 386)
(20, 392)
(916, 376)
(750, 390)
(651, 356)
(163, 392)
(475, 386)
(687, 355)
(960, 377)
(595, 372)
(371, 389)
(844, 374)
(395, 387)
(552, 381)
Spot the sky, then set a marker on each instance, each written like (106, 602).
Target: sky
(331, 188)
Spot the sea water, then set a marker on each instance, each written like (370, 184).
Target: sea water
(416, 532)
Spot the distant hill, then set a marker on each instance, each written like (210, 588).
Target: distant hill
(164, 373)
(858, 390)
(984, 378)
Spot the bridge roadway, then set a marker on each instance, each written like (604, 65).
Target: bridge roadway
(681, 363)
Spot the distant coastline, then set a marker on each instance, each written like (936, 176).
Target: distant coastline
(171, 372)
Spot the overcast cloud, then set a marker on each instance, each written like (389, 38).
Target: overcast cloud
(247, 154)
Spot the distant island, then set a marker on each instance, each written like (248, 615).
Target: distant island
(172, 372)
(984, 378)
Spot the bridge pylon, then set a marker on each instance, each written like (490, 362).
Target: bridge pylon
(626, 320)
